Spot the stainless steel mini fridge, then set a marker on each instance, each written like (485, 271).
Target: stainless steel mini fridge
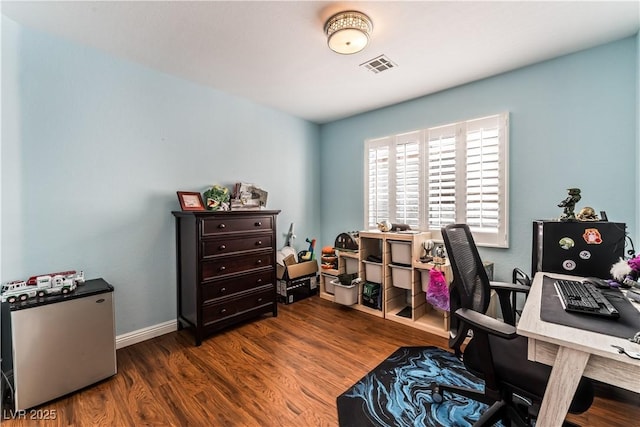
(59, 344)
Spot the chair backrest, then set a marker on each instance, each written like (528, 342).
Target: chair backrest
(469, 274)
(470, 287)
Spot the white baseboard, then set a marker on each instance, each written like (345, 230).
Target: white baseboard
(144, 334)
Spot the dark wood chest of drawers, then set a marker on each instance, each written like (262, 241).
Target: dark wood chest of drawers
(226, 268)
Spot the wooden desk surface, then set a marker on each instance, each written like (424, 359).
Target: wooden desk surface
(605, 363)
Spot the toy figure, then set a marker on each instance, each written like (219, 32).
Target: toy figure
(61, 282)
(384, 225)
(587, 214)
(217, 198)
(569, 204)
(308, 254)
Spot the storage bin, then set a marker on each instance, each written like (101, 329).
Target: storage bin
(328, 282)
(346, 278)
(424, 279)
(400, 252)
(350, 265)
(372, 271)
(346, 295)
(401, 276)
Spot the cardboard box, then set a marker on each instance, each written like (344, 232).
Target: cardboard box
(296, 281)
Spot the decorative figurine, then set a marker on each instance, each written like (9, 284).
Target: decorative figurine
(384, 225)
(329, 258)
(427, 247)
(439, 254)
(587, 214)
(217, 198)
(569, 204)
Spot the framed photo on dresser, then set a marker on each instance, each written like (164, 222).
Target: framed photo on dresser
(190, 201)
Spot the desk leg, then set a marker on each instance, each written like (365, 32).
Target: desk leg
(565, 376)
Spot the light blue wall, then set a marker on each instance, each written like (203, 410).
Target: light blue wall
(573, 124)
(94, 149)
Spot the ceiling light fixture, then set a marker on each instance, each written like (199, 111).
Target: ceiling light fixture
(348, 32)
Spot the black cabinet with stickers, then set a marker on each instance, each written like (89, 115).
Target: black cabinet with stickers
(579, 248)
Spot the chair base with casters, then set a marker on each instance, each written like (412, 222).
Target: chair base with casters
(514, 386)
(511, 403)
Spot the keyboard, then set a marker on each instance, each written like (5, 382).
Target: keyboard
(584, 298)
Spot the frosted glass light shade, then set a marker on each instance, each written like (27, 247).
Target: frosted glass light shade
(348, 32)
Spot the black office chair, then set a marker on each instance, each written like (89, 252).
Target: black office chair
(514, 386)
(521, 278)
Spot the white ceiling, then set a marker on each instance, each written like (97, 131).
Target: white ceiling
(275, 52)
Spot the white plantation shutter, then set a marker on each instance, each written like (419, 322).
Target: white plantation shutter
(377, 181)
(407, 180)
(483, 173)
(487, 179)
(441, 176)
(458, 174)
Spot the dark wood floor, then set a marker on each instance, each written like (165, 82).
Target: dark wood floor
(284, 371)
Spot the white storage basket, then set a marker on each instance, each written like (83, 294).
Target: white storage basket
(373, 271)
(400, 252)
(344, 294)
(328, 282)
(350, 265)
(401, 276)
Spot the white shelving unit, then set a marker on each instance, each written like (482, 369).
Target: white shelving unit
(348, 262)
(326, 289)
(404, 301)
(425, 316)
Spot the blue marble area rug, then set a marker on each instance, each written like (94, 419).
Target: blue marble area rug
(398, 392)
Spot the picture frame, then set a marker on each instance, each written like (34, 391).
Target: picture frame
(190, 201)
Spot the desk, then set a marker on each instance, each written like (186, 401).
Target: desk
(572, 353)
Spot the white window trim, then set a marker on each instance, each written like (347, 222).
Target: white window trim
(500, 239)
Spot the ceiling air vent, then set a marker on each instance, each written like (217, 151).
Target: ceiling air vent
(379, 64)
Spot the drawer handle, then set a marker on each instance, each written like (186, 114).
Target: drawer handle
(222, 226)
(223, 290)
(223, 311)
(258, 224)
(259, 261)
(223, 268)
(222, 247)
(259, 299)
(259, 243)
(259, 281)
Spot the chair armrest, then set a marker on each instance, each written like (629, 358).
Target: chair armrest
(505, 291)
(511, 287)
(486, 323)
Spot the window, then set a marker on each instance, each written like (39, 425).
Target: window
(443, 175)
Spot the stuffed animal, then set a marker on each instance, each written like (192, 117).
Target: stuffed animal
(627, 272)
(217, 198)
